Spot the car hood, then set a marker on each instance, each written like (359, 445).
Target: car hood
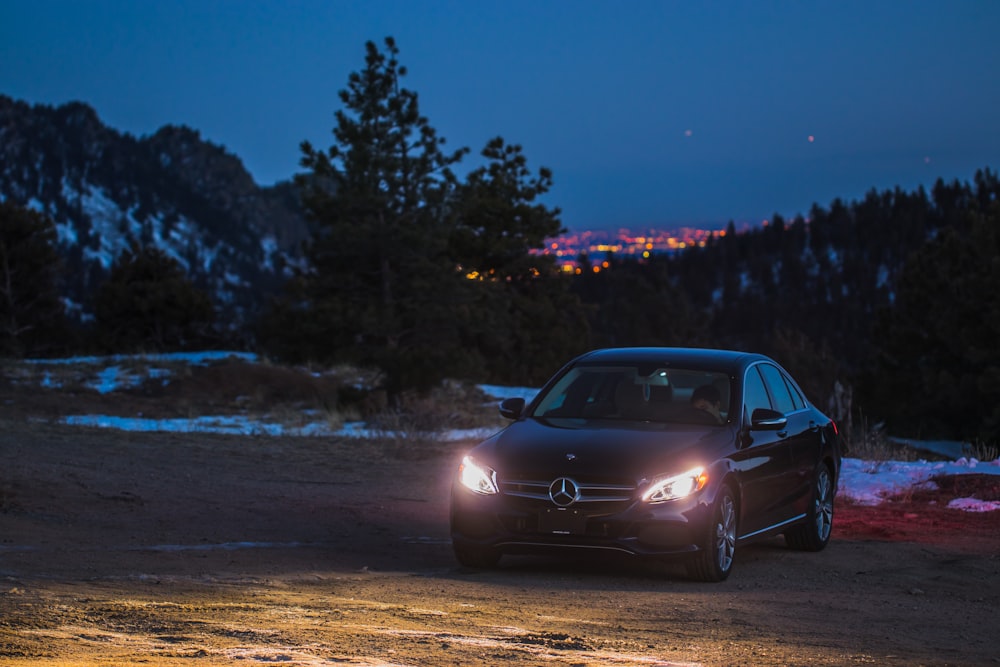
(556, 447)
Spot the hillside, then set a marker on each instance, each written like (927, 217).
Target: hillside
(105, 189)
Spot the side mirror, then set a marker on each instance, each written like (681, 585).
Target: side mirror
(763, 419)
(511, 408)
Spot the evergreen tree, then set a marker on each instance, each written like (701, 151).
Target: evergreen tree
(523, 320)
(500, 220)
(31, 312)
(382, 280)
(633, 302)
(148, 303)
(939, 362)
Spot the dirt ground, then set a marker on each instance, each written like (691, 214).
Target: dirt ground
(121, 548)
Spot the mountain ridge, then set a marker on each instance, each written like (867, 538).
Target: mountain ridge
(105, 189)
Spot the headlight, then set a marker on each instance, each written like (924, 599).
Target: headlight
(475, 477)
(677, 486)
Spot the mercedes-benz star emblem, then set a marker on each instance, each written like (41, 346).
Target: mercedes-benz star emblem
(564, 492)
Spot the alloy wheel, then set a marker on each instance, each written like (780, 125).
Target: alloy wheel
(824, 504)
(725, 533)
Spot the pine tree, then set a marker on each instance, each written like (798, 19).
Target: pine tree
(149, 303)
(31, 312)
(381, 277)
(635, 302)
(939, 363)
(523, 319)
(500, 220)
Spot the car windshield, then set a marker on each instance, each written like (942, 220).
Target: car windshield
(635, 393)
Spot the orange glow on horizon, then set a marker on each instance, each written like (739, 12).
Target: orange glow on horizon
(641, 244)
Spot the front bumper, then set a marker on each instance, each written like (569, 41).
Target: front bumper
(519, 526)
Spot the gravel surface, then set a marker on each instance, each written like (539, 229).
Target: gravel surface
(122, 548)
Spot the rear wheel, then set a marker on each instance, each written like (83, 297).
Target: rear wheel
(714, 560)
(477, 557)
(814, 534)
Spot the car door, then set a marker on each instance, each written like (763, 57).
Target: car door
(801, 439)
(763, 463)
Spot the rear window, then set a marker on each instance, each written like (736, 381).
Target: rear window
(778, 387)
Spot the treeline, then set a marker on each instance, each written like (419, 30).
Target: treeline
(148, 303)
(885, 308)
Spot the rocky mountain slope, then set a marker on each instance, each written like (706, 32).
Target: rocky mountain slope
(105, 189)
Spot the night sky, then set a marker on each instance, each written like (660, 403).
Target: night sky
(650, 114)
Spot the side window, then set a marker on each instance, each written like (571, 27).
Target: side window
(779, 390)
(797, 398)
(754, 394)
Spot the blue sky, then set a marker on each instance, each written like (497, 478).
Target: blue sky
(649, 113)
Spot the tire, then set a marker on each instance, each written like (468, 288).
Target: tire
(482, 558)
(714, 559)
(814, 534)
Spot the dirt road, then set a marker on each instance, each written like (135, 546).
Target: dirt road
(129, 548)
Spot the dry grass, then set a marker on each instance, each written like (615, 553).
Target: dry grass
(417, 421)
(291, 396)
(985, 452)
(871, 443)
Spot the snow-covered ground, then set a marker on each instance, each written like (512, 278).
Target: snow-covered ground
(866, 482)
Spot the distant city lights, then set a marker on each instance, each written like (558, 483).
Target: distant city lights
(598, 245)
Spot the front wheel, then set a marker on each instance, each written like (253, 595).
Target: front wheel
(814, 534)
(714, 560)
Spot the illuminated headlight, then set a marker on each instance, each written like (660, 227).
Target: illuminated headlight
(475, 477)
(677, 486)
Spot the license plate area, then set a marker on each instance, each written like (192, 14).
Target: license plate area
(560, 521)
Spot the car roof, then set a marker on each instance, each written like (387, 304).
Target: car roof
(723, 360)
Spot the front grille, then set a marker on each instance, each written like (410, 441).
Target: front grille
(592, 491)
(529, 508)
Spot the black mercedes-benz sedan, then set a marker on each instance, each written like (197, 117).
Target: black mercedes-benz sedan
(653, 452)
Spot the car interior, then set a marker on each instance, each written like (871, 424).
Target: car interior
(633, 394)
